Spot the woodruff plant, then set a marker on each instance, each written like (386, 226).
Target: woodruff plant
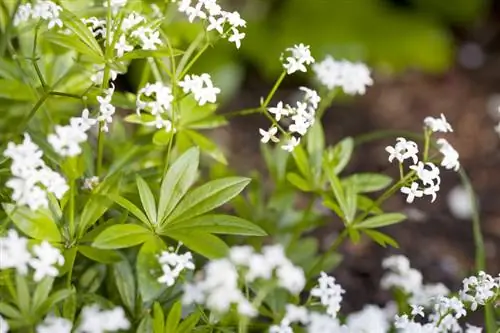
(109, 225)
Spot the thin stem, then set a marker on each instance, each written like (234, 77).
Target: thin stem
(242, 112)
(63, 94)
(257, 301)
(187, 54)
(72, 209)
(325, 103)
(335, 245)
(273, 90)
(35, 62)
(8, 29)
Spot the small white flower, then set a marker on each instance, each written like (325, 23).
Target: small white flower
(291, 278)
(329, 293)
(241, 255)
(46, 259)
(95, 320)
(417, 310)
(300, 57)
(403, 150)
(438, 124)
(296, 314)
(450, 155)
(291, 144)
(279, 111)
(4, 326)
(53, 324)
(173, 264)
(216, 24)
(201, 87)
(14, 253)
(473, 329)
(412, 192)
(427, 172)
(269, 135)
(236, 37)
(122, 46)
(283, 327)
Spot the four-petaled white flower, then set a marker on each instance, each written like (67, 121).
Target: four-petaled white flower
(299, 58)
(438, 124)
(417, 310)
(291, 144)
(122, 46)
(269, 135)
(403, 150)
(450, 155)
(47, 257)
(412, 192)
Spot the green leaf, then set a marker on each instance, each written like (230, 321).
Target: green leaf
(218, 224)
(162, 138)
(350, 203)
(146, 325)
(42, 291)
(300, 157)
(299, 182)
(73, 23)
(368, 205)
(121, 236)
(9, 311)
(316, 144)
(158, 319)
(23, 297)
(147, 199)
(36, 224)
(207, 197)
(338, 193)
(380, 238)
(14, 90)
(368, 182)
(125, 283)
(149, 270)
(207, 146)
(207, 245)
(98, 203)
(143, 54)
(69, 307)
(174, 317)
(130, 207)
(189, 323)
(71, 43)
(340, 155)
(98, 255)
(177, 181)
(381, 221)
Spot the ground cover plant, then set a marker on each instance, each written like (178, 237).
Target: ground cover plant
(120, 213)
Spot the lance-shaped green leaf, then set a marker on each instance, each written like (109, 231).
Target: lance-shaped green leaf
(207, 245)
(338, 157)
(81, 32)
(147, 199)
(143, 54)
(218, 224)
(37, 224)
(380, 238)
(122, 236)
(158, 319)
(368, 182)
(207, 197)
(174, 317)
(177, 181)
(189, 323)
(207, 146)
(125, 283)
(130, 207)
(380, 221)
(99, 255)
(42, 292)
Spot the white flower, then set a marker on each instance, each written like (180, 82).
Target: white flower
(216, 24)
(122, 46)
(300, 57)
(412, 192)
(4, 326)
(438, 124)
(115, 5)
(241, 255)
(291, 144)
(329, 293)
(417, 310)
(400, 275)
(450, 155)
(259, 267)
(478, 290)
(173, 264)
(269, 135)
(106, 109)
(43, 9)
(291, 278)
(427, 172)
(296, 314)
(14, 253)
(283, 327)
(46, 259)
(95, 320)
(353, 78)
(236, 37)
(321, 323)
(201, 87)
(473, 329)
(403, 150)
(279, 111)
(370, 316)
(53, 324)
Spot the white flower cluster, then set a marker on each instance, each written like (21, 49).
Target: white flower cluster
(67, 139)
(42, 10)
(401, 276)
(219, 288)
(353, 78)
(32, 178)
(202, 88)
(428, 173)
(52, 324)
(329, 293)
(106, 109)
(480, 289)
(156, 98)
(115, 5)
(95, 320)
(211, 12)
(299, 56)
(4, 325)
(173, 264)
(302, 117)
(15, 254)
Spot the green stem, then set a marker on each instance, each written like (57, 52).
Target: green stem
(335, 245)
(72, 209)
(273, 90)
(8, 29)
(193, 60)
(63, 94)
(243, 112)
(257, 301)
(325, 103)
